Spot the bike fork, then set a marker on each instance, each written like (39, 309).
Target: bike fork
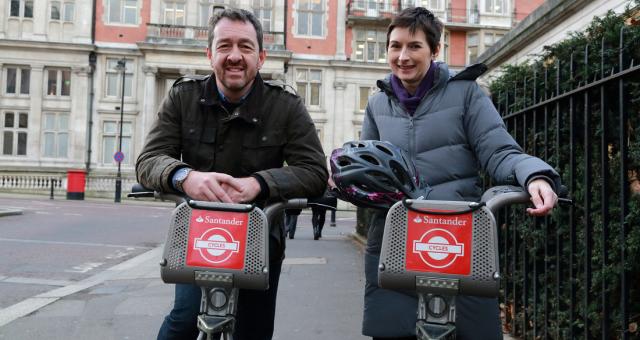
(436, 317)
(217, 313)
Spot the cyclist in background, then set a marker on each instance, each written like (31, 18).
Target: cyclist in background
(451, 130)
(225, 137)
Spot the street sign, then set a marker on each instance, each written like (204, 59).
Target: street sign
(118, 156)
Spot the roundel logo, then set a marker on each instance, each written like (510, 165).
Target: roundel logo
(216, 245)
(438, 248)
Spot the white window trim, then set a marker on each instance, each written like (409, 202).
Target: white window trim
(21, 9)
(308, 82)
(377, 49)
(129, 161)
(5, 79)
(173, 3)
(119, 83)
(58, 94)
(56, 131)
(323, 26)
(16, 130)
(483, 8)
(63, 11)
(107, 14)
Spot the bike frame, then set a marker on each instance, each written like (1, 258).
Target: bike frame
(220, 247)
(442, 249)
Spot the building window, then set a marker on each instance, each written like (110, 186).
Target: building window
(263, 9)
(371, 46)
(114, 79)
(173, 13)
(495, 6)
(17, 80)
(472, 47)
(363, 94)
(308, 83)
(62, 11)
(372, 5)
(208, 7)
(490, 38)
(433, 5)
(310, 17)
(110, 141)
(58, 82)
(21, 8)
(14, 133)
(122, 12)
(55, 135)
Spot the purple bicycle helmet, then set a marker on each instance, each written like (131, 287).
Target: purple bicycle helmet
(374, 174)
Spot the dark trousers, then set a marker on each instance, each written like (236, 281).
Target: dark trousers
(317, 220)
(254, 318)
(290, 223)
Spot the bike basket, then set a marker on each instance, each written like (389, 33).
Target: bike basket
(440, 254)
(220, 246)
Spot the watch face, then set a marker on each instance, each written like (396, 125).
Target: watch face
(182, 174)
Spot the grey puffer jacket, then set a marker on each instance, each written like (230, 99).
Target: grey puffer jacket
(454, 133)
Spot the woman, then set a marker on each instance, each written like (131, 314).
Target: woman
(451, 130)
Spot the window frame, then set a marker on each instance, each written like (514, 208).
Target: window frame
(174, 10)
(122, 20)
(129, 76)
(310, 12)
(15, 131)
(22, 9)
(20, 70)
(379, 42)
(469, 46)
(371, 91)
(259, 10)
(492, 5)
(308, 86)
(59, 82)
(57, 132)
(64, 6)
(106, 159)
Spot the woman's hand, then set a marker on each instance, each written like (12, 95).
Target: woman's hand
(542, 196)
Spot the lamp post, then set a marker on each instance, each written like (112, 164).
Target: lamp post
(122, 67)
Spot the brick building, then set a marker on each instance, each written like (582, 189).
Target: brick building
(62, 79)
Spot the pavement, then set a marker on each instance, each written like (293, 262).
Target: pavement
(319, 296)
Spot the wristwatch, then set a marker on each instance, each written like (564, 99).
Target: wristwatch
(179, 177)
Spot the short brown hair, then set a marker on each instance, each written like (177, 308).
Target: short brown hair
(235, 14)
(416, 18)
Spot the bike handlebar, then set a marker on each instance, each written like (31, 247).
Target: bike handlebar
(138, 191)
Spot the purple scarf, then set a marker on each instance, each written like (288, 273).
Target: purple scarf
(408, 101)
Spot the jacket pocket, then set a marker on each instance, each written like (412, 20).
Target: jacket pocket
(263, 151)
(198, 145)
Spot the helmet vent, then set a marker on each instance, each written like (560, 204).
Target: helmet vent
(384, 149)
(370, 159)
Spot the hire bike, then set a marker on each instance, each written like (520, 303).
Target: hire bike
(442, 249)
(220, 247)
(439, 249)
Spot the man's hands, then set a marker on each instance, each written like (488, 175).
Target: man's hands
(218, 187)
(542, 196)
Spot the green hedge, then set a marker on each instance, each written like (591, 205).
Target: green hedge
(550, 74)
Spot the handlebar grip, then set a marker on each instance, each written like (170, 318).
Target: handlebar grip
(503, 195)
(137, 191)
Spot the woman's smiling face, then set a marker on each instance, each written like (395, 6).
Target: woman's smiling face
(409, 56)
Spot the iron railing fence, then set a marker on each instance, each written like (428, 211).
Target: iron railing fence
(575, 274)
(99, 186)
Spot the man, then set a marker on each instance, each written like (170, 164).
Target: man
(225, 137)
